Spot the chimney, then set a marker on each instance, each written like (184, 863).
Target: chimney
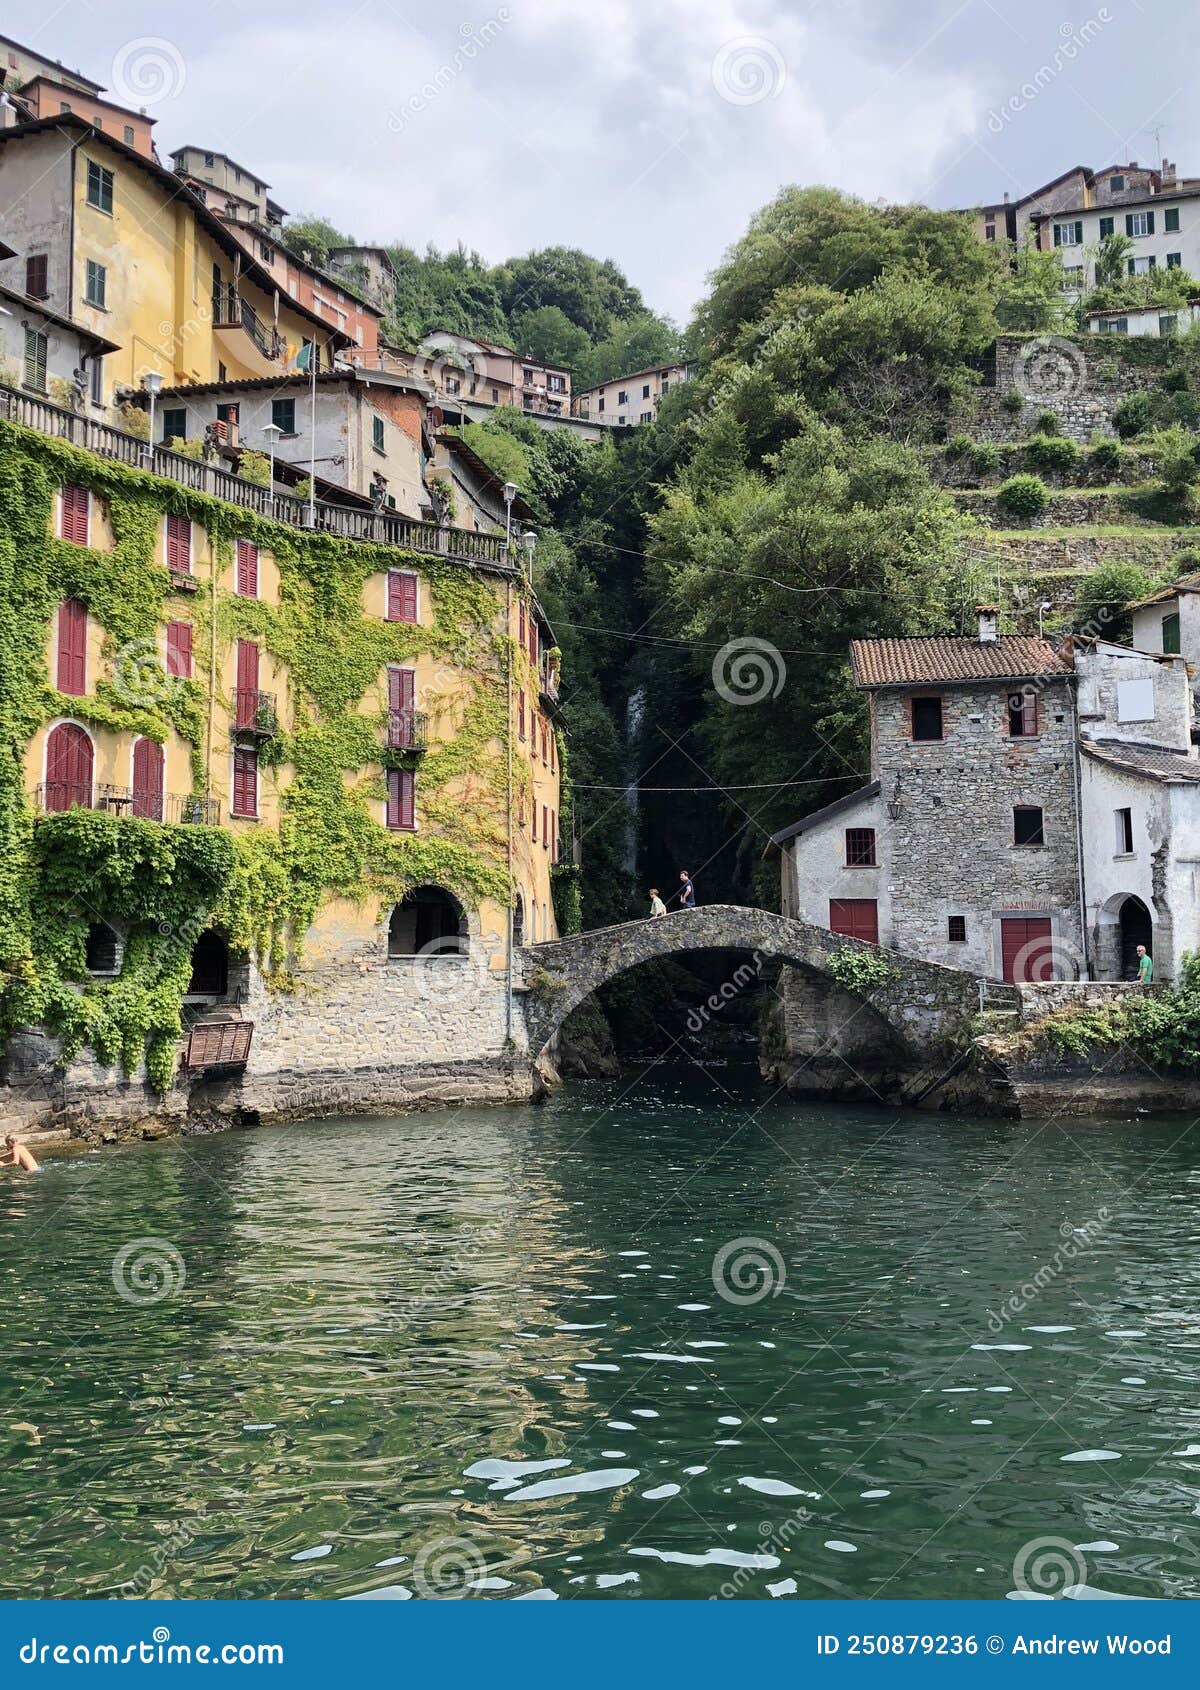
(989, 616)
(1006, 196)
(1133, 164)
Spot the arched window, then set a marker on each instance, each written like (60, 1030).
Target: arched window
(210, 966)
(103, 955)
(69, 759)
(148, 780)
(429, 922)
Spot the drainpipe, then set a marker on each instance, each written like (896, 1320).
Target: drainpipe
(1078, 776)
(508, 664)
(212, 671)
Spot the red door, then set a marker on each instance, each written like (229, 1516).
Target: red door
(246, 713)
(68, 768)
(1027, 948)
(148, 780)
(856, 918)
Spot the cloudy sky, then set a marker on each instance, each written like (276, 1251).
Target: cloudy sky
(647, 131)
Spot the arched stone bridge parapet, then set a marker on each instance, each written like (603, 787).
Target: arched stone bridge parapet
(925, 1006)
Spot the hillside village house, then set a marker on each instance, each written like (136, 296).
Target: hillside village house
(627, 401)
(19, 65)
(1033, 812)
(486, 370)
(43, 352)
(368, 270)
(1157, 320)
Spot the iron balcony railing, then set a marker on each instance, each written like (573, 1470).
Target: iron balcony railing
(254, 712)
(407, 730)
(377, 527)
(51, 797)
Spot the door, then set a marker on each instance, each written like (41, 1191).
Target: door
(856, 918)
(148, 780)
(68, 768)
(1027, 948)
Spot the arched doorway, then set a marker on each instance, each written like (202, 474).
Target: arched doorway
(69, 758)
(1136, 927)
(210, 966)
(429, 921)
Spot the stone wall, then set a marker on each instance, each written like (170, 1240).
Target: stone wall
(1101, 509)
(1082, 379)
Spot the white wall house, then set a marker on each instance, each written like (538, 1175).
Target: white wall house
(46, 355)
(1159, 321)
(627, 401)
(1164, 227)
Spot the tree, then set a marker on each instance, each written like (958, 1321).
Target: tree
(637, 344)
(550, 336)
(313, 236)
(593, 293)
(1029, 290)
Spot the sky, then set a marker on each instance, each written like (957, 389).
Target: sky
(646, 131)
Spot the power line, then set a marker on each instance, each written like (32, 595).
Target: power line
(760, 786)
(692, 645)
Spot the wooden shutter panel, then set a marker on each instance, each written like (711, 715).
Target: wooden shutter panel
(546, 826)
(148, 780)
(534, 808)
(554, 836)
(245, 780)
(402, 596)
(521, 623)
(247, 569)
(1029, 714)
(72, 647)
(37, 275)
(179, 544)
(68, 767)
(401, 689)
(521, 712)
(246, 702)
(401, 806)
(74, 501)
(179, 649)
(533, 641)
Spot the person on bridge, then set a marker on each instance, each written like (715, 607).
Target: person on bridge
(657, 907)
(687, 892)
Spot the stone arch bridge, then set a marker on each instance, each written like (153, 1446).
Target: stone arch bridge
(919, 1017)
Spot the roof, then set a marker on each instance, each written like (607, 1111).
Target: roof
(177, 188)
(487, 475)
(56, 317)
(189, 147)
(1185, 584)
(650, 370)
(42, 58)
(937, 657)
(848, 802)
(298, 379)
(7, 251)
(1142, 310)
(1151, 762)
(98, 99)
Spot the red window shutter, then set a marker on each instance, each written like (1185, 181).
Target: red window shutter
(72, 647)
(401, 804)
(402, 685)
(554, 836)
(247, 569)
(68, 767)
(74, 502)
(855, 918)
(545, 737)
(553, 739)
(521, 635)
(247, 684)
(245, 781)
(521, 712)
(179, 649)
(179, 544)
(545, 826)
(402, 596)
(535, 837)
(37, 275)
(148, 780)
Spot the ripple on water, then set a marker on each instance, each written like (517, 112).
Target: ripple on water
(575, 1484)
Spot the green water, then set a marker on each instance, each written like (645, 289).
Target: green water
(377, 1317)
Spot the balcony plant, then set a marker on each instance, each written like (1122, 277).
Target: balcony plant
(255, 467)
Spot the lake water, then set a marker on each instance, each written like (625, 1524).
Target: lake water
(663, 1336)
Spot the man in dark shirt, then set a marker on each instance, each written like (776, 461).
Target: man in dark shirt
(687, 892)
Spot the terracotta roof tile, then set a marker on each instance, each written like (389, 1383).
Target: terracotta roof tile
(898, 663)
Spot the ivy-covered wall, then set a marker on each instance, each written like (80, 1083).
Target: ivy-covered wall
(264, 885)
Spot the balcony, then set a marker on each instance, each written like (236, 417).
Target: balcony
(218, 1044)
(407, 730)
(54, 796)
(254, 713)
(267, 346)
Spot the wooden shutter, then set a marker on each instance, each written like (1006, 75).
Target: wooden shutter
(72, 647)
(554, 836)
(179, 545)
(521, 712)
(74, 503)
(148, 780)
(245, 781)
(856, 918)
(246, 702)
(402, 596)
(553, 741)
(533, 640)
(68, 768)
(247, 569)
(401, 798)
(521, 635)
(546, 826)
(401, 689)
(37, 275)
(179, 649)
(535, 837)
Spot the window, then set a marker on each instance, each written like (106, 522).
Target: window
(495, 396)
(69, 761)
(1139, 223)
(129, 134)
(600, 403)
(1135, 701)
(97, 369)
(647, 416)
(1170, 634)
(1027, 825)
(926, 718)
(622, 397)
(1022, 714)
(860, 847)
(1124, 821)
(208, 161)
(1171, 221)
(1167, 326)
(1116, 184)
(64, 105)
(989, 231)
(1174, 261)
(37, 273)
(99, 187)
(96, 288)
(245, 781)
(1072, 276)
(147, 780)
(956, 929)
(1141, 266)
(179, 650)
(36, 347)
(556, 384)
(102, 953)
(246, 569)
(71, 669)
(1107, 226)
(646, 390)
(377, 433)
(1068, 234)
(1114, 325)
(74, 503)
(283, 415)
(401, 799)
(401, 596)
(174, 422)
(179, 545)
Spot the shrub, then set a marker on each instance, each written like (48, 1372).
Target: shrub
(1177, 379)
(859, 971)
(1052, 451)
(1175, 449)
(985, 458)
(1023, 496)
(1105, 458)
(1013, 401)
(958, 445)
(1046, 422)
(1103, 595)
(255, 467)
(1133, 415)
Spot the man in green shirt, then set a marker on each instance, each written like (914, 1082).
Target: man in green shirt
(1145, 972)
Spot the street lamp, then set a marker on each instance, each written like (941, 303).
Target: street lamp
(529, 542)
(272, 432)
(510, 493)
(152, 384)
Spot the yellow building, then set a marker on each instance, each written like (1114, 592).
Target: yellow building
(111, 239)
